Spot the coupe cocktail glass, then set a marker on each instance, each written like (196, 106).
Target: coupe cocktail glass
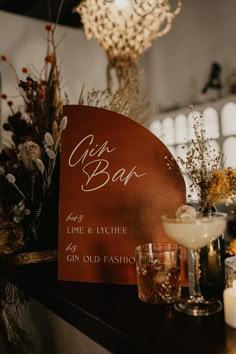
(194, 233)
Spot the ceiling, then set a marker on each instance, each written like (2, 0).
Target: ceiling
(41, 9)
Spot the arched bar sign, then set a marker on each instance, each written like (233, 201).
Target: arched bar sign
(114, 187)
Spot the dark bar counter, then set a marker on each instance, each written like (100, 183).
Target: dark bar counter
(113, 316)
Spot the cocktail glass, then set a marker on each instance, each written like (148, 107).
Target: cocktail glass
(195, 233)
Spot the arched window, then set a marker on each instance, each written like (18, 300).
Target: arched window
(229, 149)
(219, 123)
(172, 150)
(181, 133)
(168, 131)
(211, 123)
(156, 128)
(228, 119)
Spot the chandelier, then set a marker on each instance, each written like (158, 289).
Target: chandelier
(126, 28)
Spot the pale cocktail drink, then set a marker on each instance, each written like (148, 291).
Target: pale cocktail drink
(194, 233)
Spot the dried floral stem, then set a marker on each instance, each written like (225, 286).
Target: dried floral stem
(13, 70)
(203, 168)
(127, 100)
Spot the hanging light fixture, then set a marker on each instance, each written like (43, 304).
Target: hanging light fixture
(126, 28)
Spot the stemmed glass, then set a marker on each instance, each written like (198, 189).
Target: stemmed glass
(195, 233)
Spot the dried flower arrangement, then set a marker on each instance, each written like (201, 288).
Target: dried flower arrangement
(29, 183)
(204, 168)
(29, 172)
(128, 99)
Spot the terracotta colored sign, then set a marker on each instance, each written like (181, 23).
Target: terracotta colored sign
(114, 187)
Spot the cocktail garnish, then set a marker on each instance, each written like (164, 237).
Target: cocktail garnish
(186, 213)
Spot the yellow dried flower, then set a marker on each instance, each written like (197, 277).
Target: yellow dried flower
(232, 248)
(219, 189)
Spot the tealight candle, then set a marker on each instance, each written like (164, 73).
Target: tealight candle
(229, 297)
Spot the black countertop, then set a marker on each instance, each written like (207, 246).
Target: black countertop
(112, 315)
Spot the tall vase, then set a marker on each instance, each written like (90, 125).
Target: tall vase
(212, 279)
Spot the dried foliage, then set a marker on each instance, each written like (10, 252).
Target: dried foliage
(29, 182)
(204, 169)
(127, 100)
(29, 167)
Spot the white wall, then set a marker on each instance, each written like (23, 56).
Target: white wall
(23, 40)
(179, 63)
